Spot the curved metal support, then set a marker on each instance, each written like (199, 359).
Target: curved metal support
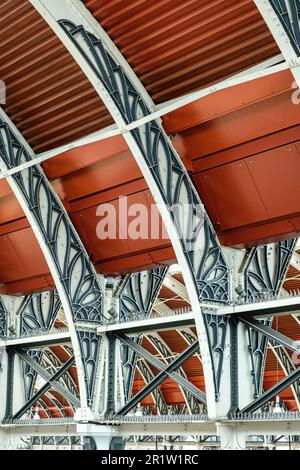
(139, 293)
(157, 395)
(198, 252)
(73, 273)
(194, 406)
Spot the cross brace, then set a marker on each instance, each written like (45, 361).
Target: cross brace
(166, 371)
(46, 387)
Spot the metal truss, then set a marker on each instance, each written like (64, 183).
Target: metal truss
(47, 377)
(77, 284)
(3, 319)
(288, 12)
(204, 266)
(51, 363)
(294, 373)
(39, 312)
(287, 366)
(51, 381)
(137, 296)
(194, 405)
(266, 269)
(197, 249)
(264, 273)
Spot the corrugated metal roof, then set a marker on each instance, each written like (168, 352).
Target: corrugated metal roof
(176, 47)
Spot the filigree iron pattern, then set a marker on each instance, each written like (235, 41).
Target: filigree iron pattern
(39, 312)
(257, 345)
(158, 397)
(195, 406)
(129, 360)
(208, 266)
(71, 260)
(3, 319)
(265, 270)
(288, 12)
(139, 293)
(90, 347)
(216, 327)
(51, 362)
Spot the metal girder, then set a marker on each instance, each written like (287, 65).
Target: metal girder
(177, 287)
(192, 401)
(287, 366)
(270, 333)
(272, 392)
(157, 395)
(163, 367)
(282, 18)
(51, 362)
(3, 319)
(139, 293)
(166, 371)
(44, 389)
(76, 281)
(268, 308)
(193, 237)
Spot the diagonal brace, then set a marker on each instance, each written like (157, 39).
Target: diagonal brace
(161, 366)
(269, 333)
(45, 387)
(47, 377)
(160, 377)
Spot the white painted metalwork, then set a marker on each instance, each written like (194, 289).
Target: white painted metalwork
(280, 37)
(51, 263)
